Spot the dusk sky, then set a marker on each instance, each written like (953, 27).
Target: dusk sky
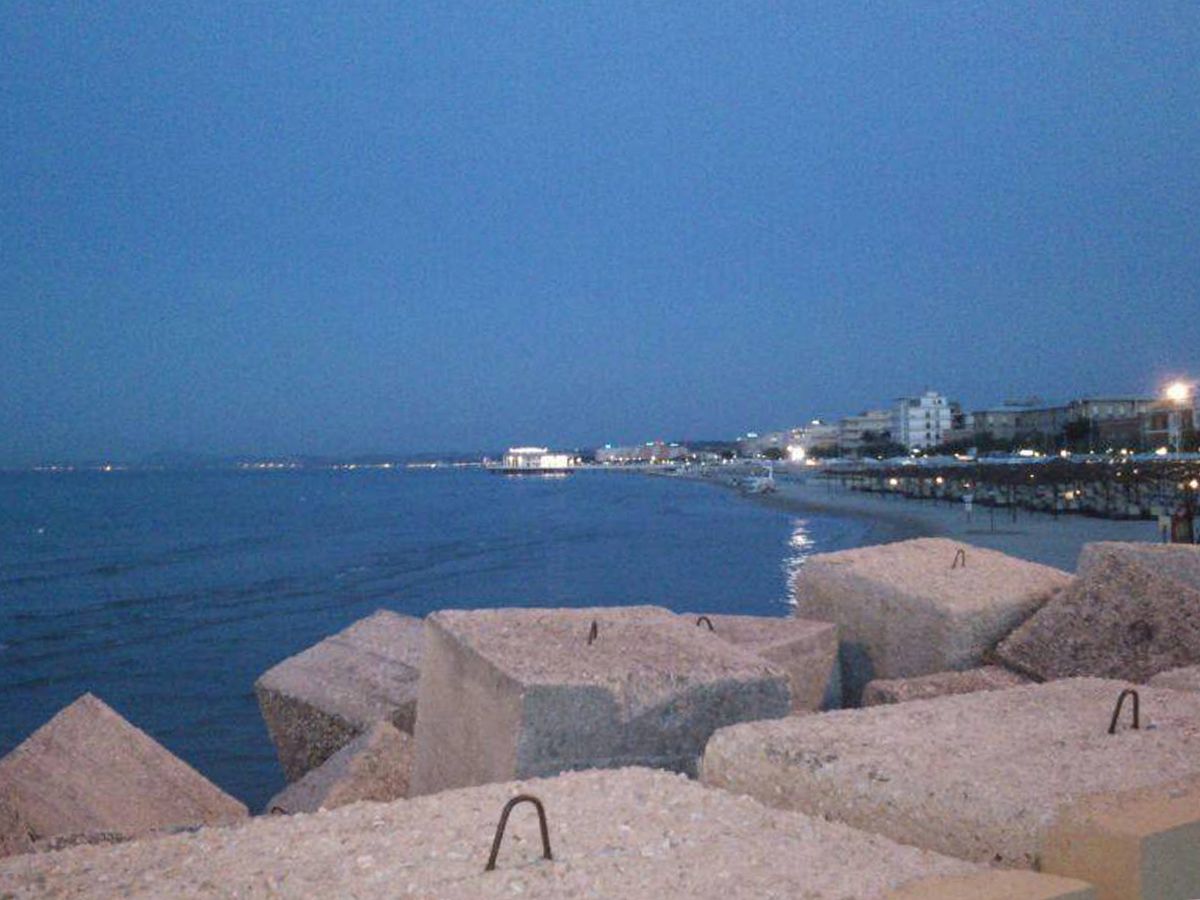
(347, 227)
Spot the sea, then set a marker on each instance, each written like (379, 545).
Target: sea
(167, 593)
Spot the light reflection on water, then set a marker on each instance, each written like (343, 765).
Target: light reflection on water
(800, 548)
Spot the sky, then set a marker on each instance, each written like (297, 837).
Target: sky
(350, 227)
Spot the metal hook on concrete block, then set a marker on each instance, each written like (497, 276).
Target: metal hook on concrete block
(705, 620)
(959, 554)
(1128, 692)
(593, 632)
(508, 808)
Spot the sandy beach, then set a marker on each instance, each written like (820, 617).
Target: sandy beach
(1035, 536)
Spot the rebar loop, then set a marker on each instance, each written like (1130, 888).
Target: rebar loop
(508, 808)
(593, 632)
(1128, 692)
(705, 620)
(959, 554)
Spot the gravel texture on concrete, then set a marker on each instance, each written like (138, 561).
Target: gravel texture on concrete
(906, 609)
(979, 776)
(1132, 612)
(613, 833)
(805, 649)
(939, 684)
(1186, 678)
(15, 834)
(317, 701)
(89, 771)
(376, 765)
(1178, 562)
(518, 693)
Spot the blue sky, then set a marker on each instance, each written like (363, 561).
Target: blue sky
(352, 227)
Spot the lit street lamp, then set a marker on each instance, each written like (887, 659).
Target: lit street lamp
(1177, 393)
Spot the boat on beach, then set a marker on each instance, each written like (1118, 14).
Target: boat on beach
(759, 484)
(533, 461)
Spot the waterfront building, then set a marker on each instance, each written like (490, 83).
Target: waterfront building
(998, 423)
(1080, 421)
(649, 452)
(871, 427)
(817, 435)
(536, 459)
(921, 422)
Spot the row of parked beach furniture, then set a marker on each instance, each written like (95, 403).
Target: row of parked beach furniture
(1023, 733)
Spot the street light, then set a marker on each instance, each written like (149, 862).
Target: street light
(1178, 392)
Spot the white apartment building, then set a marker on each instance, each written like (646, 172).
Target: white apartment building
(921, 422)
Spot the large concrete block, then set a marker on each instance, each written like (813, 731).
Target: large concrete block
(376, 766)
(940, 684)
(1133, 611)
(907, 609)
(979, 776)
(316, 702)
(1185, 678)
(1136, 845)
(515, 693)
(804, 649)
(15, 834)
(627, 833)
(1178, 562)
(88, 771)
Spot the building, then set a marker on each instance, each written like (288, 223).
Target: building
(753, 444)
(869, 428)
(1091, 421)
(816, 437)
(997, 424)
(650, 452)
(921, 422)
(1168, 424)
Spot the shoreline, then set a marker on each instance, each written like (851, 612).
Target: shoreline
(1035, 536)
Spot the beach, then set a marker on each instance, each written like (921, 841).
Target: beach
(1036, 536)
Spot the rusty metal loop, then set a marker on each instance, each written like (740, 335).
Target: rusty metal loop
(277, 811)
(1128, 692)
(960, 553)
(593, 632)
(705, 620)
(508, 808)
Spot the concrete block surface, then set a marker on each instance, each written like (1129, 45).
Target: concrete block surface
(806, 650)
(1134, 845)
(316, 702)
(1178, 562)
(979, 776)
(1185, 678)
(375, 766)
(613, 833)
(15, 834)
(88, 771)
(906, 609)
(1133, 611)
(516, 693)
(940, 684)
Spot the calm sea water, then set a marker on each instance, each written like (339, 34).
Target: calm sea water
(167, 594)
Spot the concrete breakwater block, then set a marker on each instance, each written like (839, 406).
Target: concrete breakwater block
(15, 835)
(921, 606)
(804, 649)
(1185, 678)
(88, 771)
(1136, 844)
(940, 684)
(317, 701)
(1178, 562)
(516, 693)
(376, 766)
(978, 776)
(623, 833)
(1133, 611)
